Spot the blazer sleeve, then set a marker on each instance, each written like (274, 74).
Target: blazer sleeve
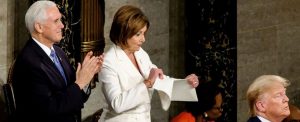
(118, 99)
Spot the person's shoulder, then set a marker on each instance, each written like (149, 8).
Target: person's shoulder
(28, 46)
(28, 49)
(184, 117)
(110, 50)
(27, 56)
(253, 119)
(110, 56)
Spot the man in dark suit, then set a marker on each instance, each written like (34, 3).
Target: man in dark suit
(46, 87)
(254, 119)
(267, 99)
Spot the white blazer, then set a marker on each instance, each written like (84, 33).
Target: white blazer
(127, 96)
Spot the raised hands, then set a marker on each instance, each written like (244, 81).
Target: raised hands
(193, 80)
(89, 67)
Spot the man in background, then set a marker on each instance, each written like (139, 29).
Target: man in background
(46, 87)
(267, 99)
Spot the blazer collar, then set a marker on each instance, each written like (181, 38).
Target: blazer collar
(125, 61)
(120, 54)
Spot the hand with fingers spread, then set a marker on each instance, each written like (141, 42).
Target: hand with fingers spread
(193, 80)
(154, 73)
(89, 67)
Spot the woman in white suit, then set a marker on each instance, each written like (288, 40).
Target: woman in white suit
(128, 73)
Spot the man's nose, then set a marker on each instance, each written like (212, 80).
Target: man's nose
(61, 24)
(286, 98)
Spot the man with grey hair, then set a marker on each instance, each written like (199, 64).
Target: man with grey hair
(46, 87)
(267, 99)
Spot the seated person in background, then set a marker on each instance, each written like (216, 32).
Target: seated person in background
(207, 109)
(267, 99)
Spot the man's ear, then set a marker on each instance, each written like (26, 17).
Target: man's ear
(260, 106)
(38, 27)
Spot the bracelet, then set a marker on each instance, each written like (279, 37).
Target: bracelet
(148, 83)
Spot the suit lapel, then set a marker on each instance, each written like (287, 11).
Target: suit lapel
(128, 69)
(52, 72)
(125, 62)
(144, 67)
(47, 65)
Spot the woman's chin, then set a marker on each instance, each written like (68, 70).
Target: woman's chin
(138, 48)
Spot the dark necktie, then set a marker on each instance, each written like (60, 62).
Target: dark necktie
(57, 64)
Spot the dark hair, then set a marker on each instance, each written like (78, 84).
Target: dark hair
(127, 21)
(206, 93)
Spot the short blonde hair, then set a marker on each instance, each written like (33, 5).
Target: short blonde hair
(259, 86)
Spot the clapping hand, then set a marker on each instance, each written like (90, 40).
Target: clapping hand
(89, 67)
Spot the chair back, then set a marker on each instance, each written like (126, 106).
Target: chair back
(9, 96)
(97, 115)
(9, 100)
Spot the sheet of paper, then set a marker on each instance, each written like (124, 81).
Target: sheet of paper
(164, 88)
(165, 85)
(182, 91)
(170, 89)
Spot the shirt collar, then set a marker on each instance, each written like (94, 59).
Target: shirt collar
(263, 119)
(44, 47)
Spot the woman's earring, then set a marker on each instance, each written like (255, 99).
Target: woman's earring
(205, 115)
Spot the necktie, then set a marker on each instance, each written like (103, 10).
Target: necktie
(57, 64)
